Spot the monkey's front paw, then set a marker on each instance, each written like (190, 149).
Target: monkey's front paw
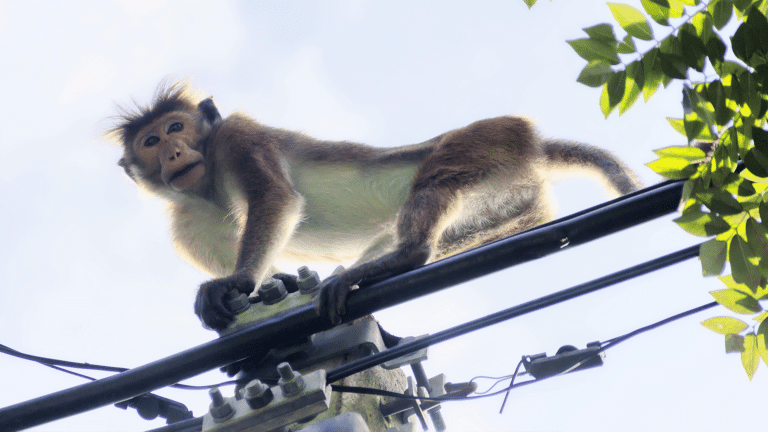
(211, 306)
(332, 297)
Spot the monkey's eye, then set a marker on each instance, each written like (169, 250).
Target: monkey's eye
(175, 127)
(151, 141)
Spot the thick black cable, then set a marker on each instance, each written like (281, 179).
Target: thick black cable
(364, 363)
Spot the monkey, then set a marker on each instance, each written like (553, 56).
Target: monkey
(243, 194)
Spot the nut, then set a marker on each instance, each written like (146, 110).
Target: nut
(290, 382)
(308, 280)
(257, 394)
(272, 291)
(237, 302)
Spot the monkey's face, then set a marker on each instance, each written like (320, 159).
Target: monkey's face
(170, 149)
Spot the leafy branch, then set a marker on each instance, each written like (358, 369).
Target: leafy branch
(725, 100)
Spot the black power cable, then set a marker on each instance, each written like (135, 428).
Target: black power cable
(376, 359)
(364, 363)
(588, 225)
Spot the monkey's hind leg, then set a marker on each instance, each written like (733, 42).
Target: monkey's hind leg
(493, 215)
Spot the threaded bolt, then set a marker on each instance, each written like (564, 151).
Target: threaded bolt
(290, 382)
(220, 409)
(272, 291)
(308, 280)
(257, 394)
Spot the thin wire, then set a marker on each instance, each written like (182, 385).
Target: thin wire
(498, 381)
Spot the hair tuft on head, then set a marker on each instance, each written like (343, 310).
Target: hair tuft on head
(169, 96)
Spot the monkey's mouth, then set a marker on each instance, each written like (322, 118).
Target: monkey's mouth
(184, 171)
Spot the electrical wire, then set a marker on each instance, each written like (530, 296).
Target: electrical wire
(61, 364)
(479, 395)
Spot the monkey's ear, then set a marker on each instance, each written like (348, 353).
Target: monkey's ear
(123, 162)
(209, 110)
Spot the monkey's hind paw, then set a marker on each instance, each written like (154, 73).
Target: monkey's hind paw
(332, 297)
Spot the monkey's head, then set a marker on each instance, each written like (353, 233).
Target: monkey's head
(165, 143)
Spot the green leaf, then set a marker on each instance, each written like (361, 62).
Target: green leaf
(762, 340)
(763, 209)
(627, 46)
(715, 49)
(530, 3)
(702, 224)
(721, 11)
(693, 48)
(631, 20)
(595, 50)
(602, 33)
(673, 65)
(652, 73)
(658, 10)
(727, 69)
(736, 301)
(634, 85)
(741, 5)
(691, 154)
(595, 74)
(756, 237)
(703, 23)
(760, 138)
(605, 106)
(713, 254)
(757, 163)
(757, 21)
(724, 204)
(693, 128)
(750, 357)
(742, 269)
(716, 93)
(677, 124)
(616, 85)
(673, 167)
(725, 325)
(746, 189)
(744, 43)
(734, 343)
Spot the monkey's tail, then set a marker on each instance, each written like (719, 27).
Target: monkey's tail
(569, 156)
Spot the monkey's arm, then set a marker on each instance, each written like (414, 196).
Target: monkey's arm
(270, 202)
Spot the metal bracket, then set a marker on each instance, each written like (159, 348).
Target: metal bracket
(282, 410)
(358, 337)
(564, 361)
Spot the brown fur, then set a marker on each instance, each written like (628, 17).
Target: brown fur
(269, 193)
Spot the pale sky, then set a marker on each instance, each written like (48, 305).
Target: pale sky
(88, 272)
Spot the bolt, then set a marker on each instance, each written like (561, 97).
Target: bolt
(220, 409)
(272, 291)
(237, 301)
(257, 394)
(437, 419)
(308, 280)
(290, 382)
